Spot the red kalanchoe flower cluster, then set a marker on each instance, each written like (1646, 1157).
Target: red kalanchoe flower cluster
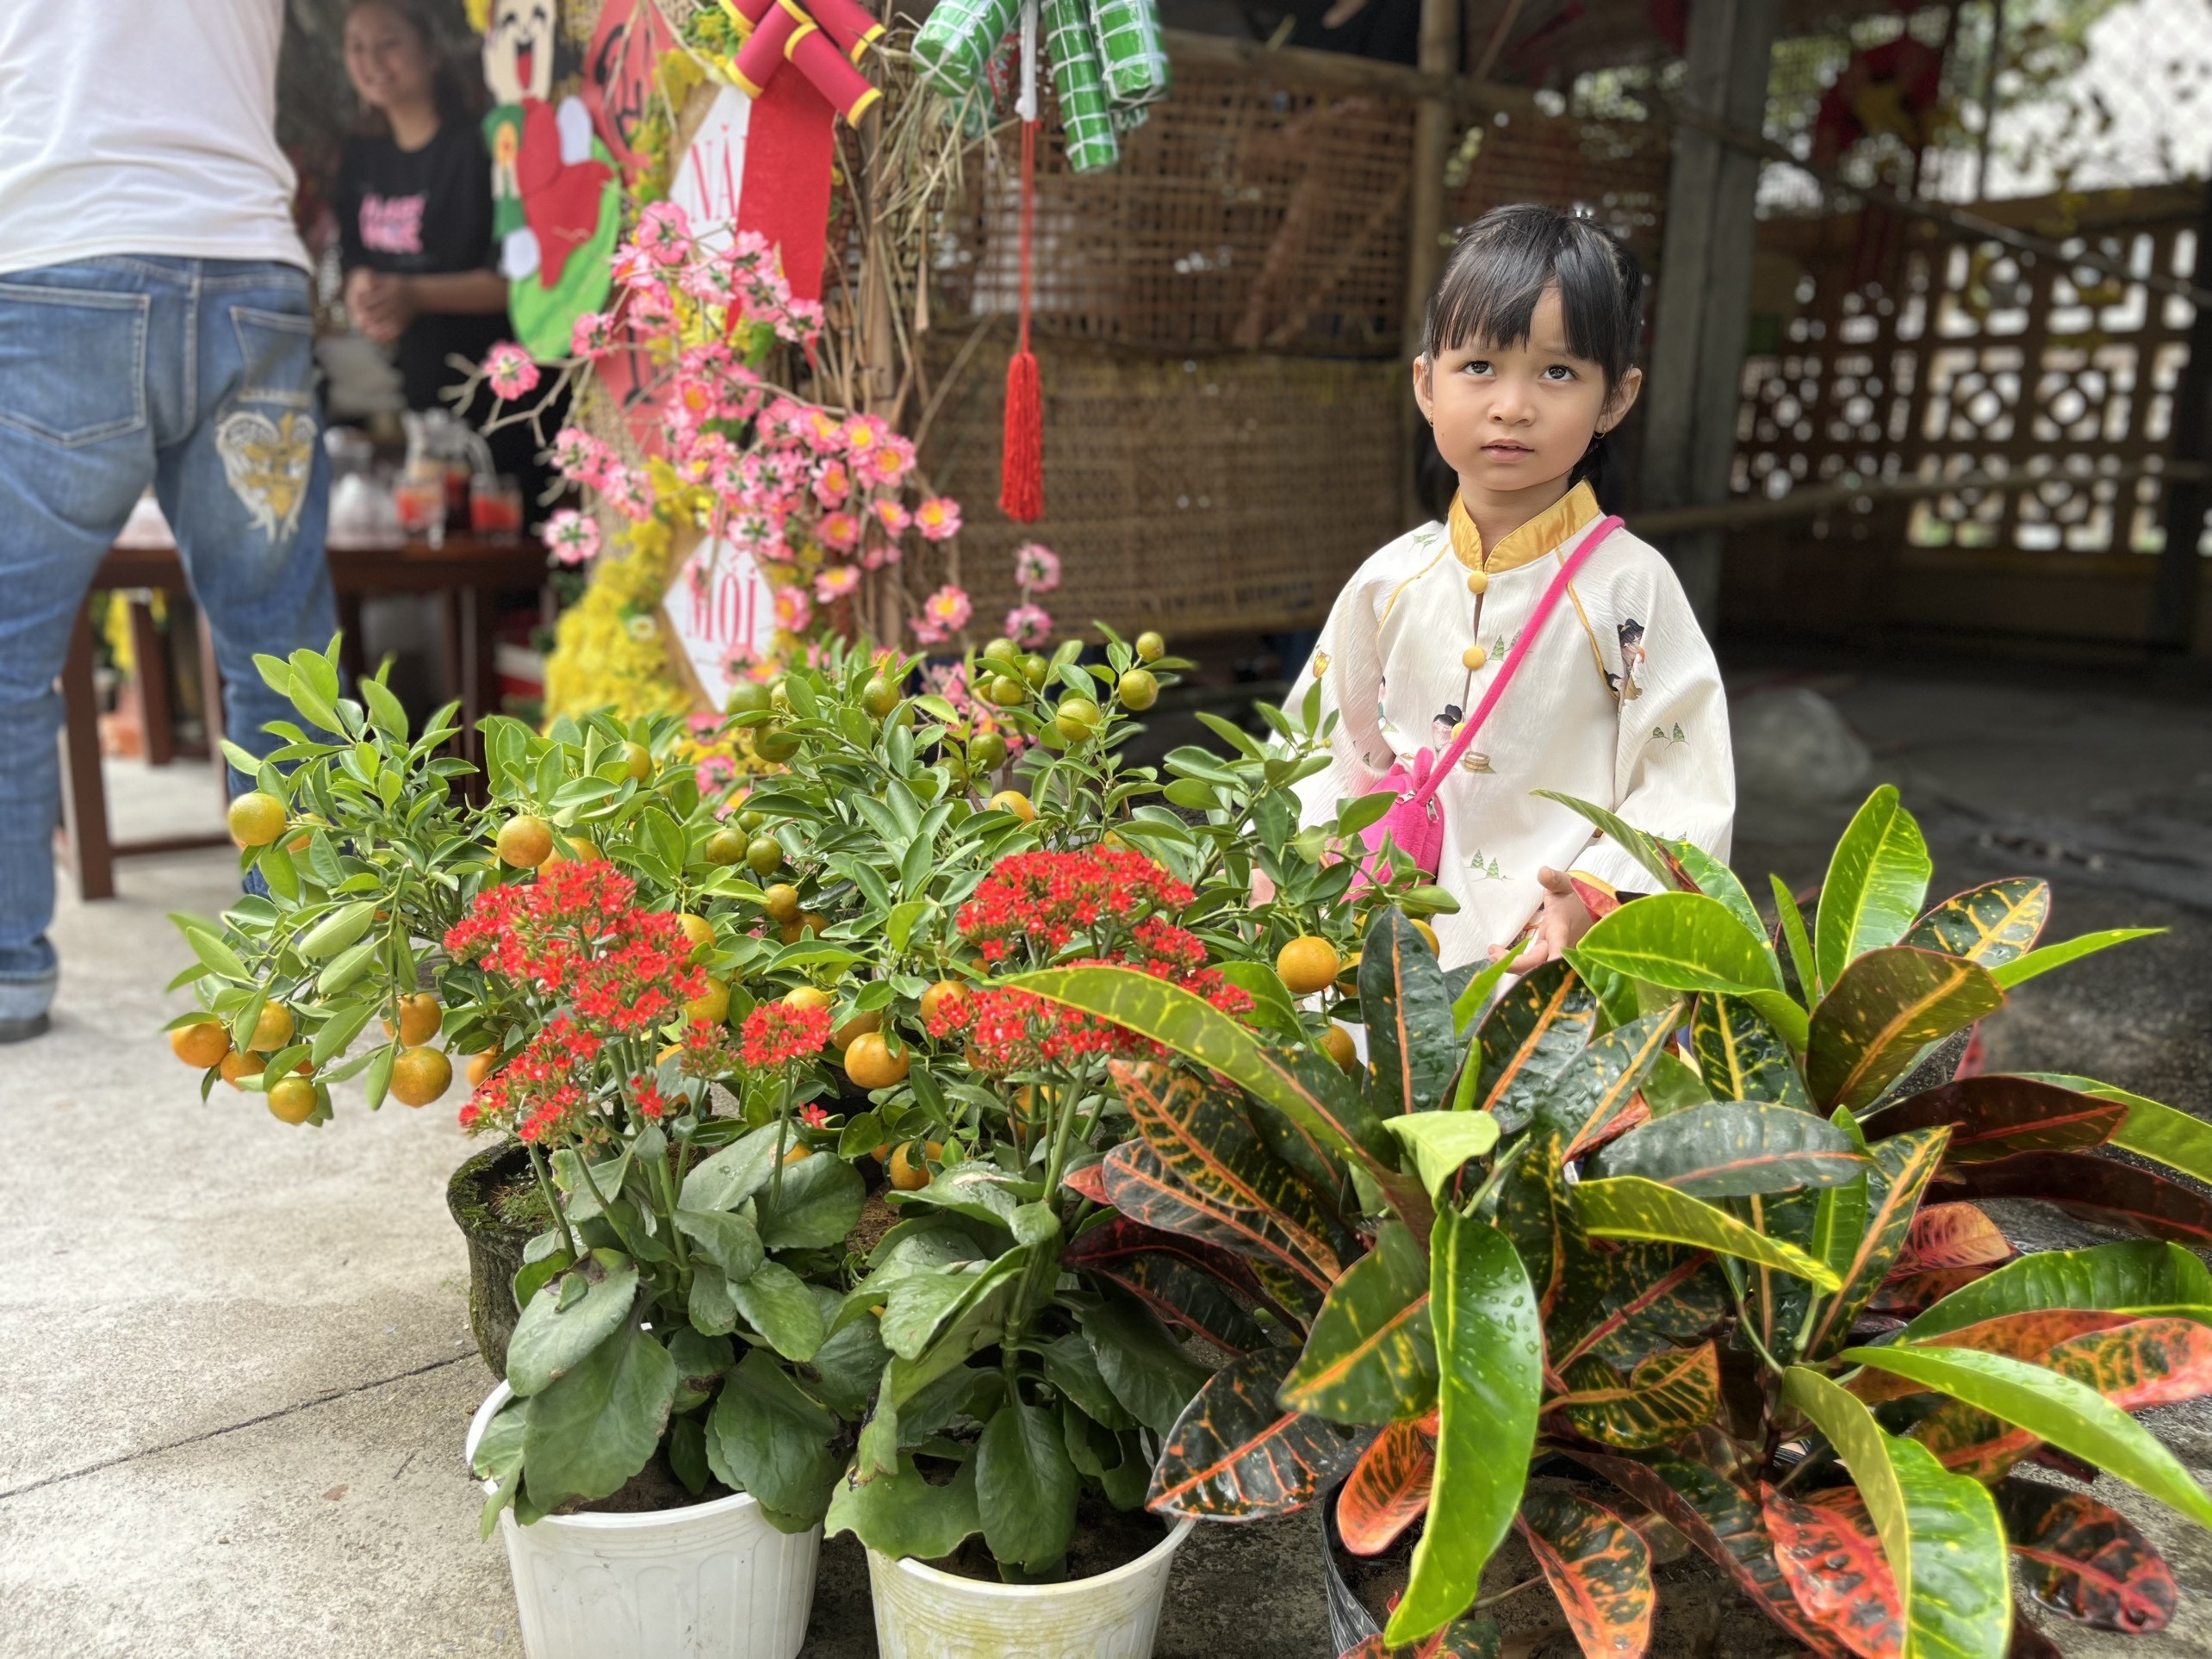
(709, 1051)
(1045, 900)
(543, 1091)
(776, 1034)
(575, 935)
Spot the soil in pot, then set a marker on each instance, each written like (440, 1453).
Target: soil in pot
(651, 1490)
(1105, 1538)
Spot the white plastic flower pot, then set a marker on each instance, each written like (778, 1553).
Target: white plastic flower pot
(713, 1581)
(924, 1613)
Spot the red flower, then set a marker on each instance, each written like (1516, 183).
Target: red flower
(1044, 901)
(776, 1034)
(813, 1117)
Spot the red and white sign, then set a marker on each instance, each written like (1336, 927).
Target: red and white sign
(719, 605)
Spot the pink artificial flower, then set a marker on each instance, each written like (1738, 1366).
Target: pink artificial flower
(805, 319)
(938, 518)
(840, 530)
(651, 305)
(592, 335)
(864, 433)
(823, 432)
(881, 555)
(626, 491)
(794, 609)
(889, 462)
(510, 370)
(578, 456)
(708, 283)
(1036, 568)
(572, 538)
(750, 252)
(892, 516)
(949, 608)
(833, 481)
(1028, 625)
(664, 232)
(836, 582)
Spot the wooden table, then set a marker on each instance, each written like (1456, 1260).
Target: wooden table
(463, 573)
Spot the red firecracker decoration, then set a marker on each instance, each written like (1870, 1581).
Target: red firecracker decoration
(1021, 478)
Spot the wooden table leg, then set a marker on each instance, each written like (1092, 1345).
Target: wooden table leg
(151, 649)
(84, 792)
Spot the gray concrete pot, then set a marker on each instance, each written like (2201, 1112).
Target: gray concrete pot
(494, 1247)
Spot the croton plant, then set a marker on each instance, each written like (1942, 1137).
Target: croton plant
(1676, 1216)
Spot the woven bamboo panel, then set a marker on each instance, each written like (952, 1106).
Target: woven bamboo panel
(1190, 495)
(1615, 169)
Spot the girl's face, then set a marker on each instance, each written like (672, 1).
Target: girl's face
(1514, 418)
(386, 59)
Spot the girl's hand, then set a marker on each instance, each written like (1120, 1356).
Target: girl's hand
(1560, 922)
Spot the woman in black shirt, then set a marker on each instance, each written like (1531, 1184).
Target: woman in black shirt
(415, 213)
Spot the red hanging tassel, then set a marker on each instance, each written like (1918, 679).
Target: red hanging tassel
(1022, 476)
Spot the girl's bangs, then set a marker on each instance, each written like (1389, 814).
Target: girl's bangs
(1494, 281)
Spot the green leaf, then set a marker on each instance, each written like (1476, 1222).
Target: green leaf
(1472, 1000)
(731, 1176)
(1306, 1088)
(1876, 879)
(1716, 880)
(1370, 1357)
(1989, 926)
(777, 1303)
(385, 712)
(1142, 1366)
(1072, 1366)
(1638, 846)
(1886, 1008)
(1939, 1530)
(1630, 1206)
(730, 1242)
(1270, 998)
(2135, 1276)
(1904, 1165)
(1742, 1057)
(1683, 942)
(818, 1204)
(1489, 1340)
(1671, 1393)
(904, 1516)
(219, 957)
(1411, 1044)
(2151, 1130)
(547, 1342)
(1734, 1148)
(767, 1438)
(597, 1424)
(1441, 1141)
(1537, 1027)
(1025, 1487)
(2009, 974)
(2071, 1415)
(1790, 923)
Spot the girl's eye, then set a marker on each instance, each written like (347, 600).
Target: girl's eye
(1559, 371)
(1476, 366)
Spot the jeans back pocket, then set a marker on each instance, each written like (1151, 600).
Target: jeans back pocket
(73, 362)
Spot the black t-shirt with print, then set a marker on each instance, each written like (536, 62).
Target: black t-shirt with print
(424, 211)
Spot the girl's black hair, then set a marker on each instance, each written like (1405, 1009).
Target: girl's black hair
(457, 105)
(1503, 263)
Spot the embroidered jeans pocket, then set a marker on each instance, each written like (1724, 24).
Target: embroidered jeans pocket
(276, 350)
(73, 362)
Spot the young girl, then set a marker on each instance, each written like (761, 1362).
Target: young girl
(1525, 369)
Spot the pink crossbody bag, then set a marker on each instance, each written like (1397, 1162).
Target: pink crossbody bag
(1415, 823)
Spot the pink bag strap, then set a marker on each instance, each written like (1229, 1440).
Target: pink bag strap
(1544, 606)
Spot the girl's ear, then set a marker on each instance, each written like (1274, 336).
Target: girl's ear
(1622, 401)
(1425, 387)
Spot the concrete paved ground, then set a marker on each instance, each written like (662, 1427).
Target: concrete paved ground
(234, 1357)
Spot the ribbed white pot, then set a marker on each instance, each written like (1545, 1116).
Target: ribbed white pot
(714, 1580)
(922, 1614)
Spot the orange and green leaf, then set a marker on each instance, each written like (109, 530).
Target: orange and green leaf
(1989, 926)
(2101, 1189)
(1236, 1455)
(2084, 1561)
(1536, 1028)
(1996, 1117)
(1905, 1164)
(1832, 1557)
(1599, 1567)
(1387, 1489)
(1370, 1357)
(1667, 1396)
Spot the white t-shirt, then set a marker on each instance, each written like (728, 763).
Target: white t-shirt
(141, 127)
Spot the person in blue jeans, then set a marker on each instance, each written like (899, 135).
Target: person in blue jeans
(156, 328)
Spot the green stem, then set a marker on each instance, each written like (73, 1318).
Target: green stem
(783, 1138)
(553, 1200)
